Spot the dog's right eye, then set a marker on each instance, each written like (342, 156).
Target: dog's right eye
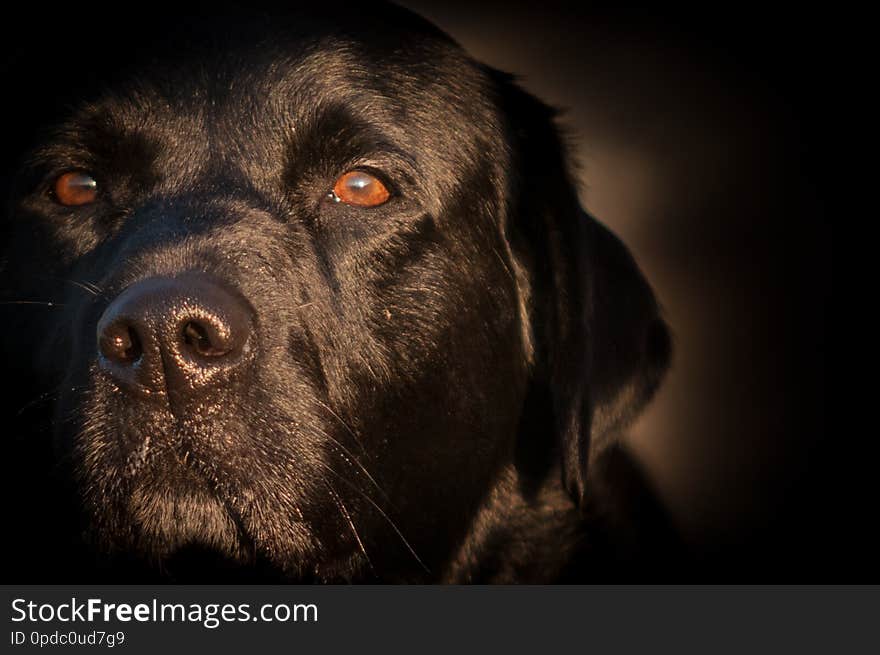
(75, 188)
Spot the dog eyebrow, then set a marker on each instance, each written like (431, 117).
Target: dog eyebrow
(89, 143)
(334, 136)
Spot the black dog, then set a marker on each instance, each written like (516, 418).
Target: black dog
(314, 298)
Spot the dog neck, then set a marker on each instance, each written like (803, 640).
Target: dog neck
(518, 536)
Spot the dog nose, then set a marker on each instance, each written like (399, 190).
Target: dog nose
(179, 335)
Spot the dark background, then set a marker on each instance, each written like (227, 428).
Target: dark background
(704, 142)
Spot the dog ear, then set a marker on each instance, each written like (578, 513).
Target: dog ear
(601, 346)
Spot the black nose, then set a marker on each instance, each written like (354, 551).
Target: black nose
(178, 335)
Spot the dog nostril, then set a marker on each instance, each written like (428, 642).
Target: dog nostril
(198, 338)
(131, 346)
(121, 344)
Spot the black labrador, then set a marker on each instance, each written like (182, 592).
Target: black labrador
(310, 296)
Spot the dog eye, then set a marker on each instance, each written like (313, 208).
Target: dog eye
(75, 188)
(360, 189)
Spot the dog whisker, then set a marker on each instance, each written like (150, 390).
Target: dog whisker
(345, 513)
(341, 422)
(47, 395)
(93, 289)
(46, 303)
(381, 513)
(351, 459)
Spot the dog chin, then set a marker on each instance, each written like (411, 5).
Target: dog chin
(166, 521)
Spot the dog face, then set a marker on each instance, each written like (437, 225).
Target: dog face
(318, 282)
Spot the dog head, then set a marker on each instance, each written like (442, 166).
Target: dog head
(317, 282)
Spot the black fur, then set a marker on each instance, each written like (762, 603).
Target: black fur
(440, 382)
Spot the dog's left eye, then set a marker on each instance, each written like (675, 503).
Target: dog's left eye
(75, 188)
(360, 189)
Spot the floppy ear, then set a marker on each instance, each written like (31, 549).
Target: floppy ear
(601, 347)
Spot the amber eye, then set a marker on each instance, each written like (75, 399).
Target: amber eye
(75, 188)
(360, 189)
